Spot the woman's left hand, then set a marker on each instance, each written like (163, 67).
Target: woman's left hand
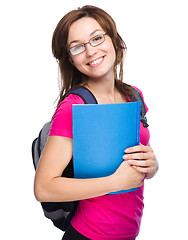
(143, 159)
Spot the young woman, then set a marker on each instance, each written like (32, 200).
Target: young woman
(89, 49)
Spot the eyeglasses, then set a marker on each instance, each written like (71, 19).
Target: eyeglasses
(94, 41)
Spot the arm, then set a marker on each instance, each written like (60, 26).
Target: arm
(49, 186)
(143, 159)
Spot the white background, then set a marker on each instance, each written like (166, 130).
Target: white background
(156, 36)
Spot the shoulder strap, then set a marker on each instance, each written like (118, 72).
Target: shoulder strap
(138, 97)
(85, 94)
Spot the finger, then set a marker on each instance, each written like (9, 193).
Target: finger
(139, 156)
(138, 148)
(144, 170)
(138, 163)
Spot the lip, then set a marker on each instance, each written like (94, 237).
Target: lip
(97, 63)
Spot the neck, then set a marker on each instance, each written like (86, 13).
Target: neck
(103, 89)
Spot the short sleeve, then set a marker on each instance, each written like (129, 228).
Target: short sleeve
(62, 119)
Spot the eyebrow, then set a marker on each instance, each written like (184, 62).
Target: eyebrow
(77, 41)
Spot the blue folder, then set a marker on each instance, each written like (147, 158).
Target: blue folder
(101, 133)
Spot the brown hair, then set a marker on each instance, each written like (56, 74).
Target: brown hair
(70, 76)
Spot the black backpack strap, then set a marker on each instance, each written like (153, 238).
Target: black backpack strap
(85, 94)
(138, 97)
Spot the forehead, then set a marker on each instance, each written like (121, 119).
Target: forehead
(82, 28)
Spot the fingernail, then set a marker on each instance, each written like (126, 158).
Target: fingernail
(130, 161)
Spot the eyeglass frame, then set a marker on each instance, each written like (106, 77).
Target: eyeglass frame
(84, 44)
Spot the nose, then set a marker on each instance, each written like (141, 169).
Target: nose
(90, 51)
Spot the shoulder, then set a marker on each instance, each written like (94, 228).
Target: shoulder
(66, 105)
(62, 119)
(64, 109)
(137, 89)
(141, 94)
(70, 100)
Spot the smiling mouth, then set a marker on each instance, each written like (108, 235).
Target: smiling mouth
(96, 62)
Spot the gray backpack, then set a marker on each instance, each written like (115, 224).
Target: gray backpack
(60, 213)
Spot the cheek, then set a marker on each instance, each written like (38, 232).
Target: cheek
(76, 61)
(114, 55)
(111, 50)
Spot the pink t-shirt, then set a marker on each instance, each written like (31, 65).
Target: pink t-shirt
(113, 217)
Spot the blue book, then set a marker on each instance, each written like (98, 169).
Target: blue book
(101, 133)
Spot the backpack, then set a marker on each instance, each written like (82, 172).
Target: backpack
(61, 213)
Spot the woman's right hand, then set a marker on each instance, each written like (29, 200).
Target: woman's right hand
(127, 177)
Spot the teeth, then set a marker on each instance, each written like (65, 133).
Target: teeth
(96, 61)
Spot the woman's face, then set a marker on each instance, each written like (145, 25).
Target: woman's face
(95, 62)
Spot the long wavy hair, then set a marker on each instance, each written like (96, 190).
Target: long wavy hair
(70, 76)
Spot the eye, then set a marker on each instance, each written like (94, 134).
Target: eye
(97, 38)
(77, 47)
